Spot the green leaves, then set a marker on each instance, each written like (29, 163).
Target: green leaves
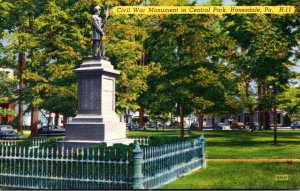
(208, 63)
(7, 94)
(5, 8)
(7, 112)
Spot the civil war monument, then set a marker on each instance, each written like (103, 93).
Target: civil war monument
(96, 121)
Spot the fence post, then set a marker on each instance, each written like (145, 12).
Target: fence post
(202, 143)
(138, 162)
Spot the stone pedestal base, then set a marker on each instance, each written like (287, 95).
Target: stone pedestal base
(95, 128)
(90, 130)
(97, 121)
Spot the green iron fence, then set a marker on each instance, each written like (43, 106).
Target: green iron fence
(22, 167)
(141, 140)
(35, 142)
(159, 165)
(8, 143)
(149, 167)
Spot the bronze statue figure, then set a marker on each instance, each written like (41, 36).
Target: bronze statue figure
(98, 33)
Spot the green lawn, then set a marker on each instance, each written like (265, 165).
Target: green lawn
(241, 175)
(241, 144)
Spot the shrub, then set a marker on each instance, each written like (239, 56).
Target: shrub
(25, 143)
(161, 140)
(49, 144)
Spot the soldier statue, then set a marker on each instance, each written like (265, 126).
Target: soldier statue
(98, 34)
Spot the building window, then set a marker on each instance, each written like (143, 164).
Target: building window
(279, 118)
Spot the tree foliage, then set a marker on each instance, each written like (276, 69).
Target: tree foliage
(179, 64)
(7, 94)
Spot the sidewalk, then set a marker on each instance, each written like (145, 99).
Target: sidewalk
(254, 160)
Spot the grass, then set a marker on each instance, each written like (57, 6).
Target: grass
(241, 144)
(241, 175)
(232, 144)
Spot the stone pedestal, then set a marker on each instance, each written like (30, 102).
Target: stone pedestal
(97, 121)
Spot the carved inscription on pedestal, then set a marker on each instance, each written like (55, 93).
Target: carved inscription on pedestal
(108, 95)
(89, 96)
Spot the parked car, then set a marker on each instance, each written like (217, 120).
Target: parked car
(131, 126)
(295, 125)
(194, 126)
(152, 124)
(219, 126)
(174, 124)
(238, 125)
(7, 132)
(253, 125)
(53, 130)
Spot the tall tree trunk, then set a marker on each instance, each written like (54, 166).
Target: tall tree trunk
(275, 125)
(200, 121)
(264, 108)
(48, 124)
(260, 117)
(56, 118)
(141, 117)
(65, 118)
(181, 114)
(275, 116)
(264, 117)
(34, 121)
(21, 86)
(247, 88)
(252, 118)
(126, 116)
(267, 116)
(49, 120)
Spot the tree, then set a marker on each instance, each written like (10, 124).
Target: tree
(7, 87)
(19, 24)
(183, 46)
(268, 41)
(30, 38)
(215, 91)
(50, 61)
(290, 102)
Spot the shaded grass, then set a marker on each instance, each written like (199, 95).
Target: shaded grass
(241, 144)
(241, 175)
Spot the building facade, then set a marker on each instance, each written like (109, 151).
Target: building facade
(245, 118)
